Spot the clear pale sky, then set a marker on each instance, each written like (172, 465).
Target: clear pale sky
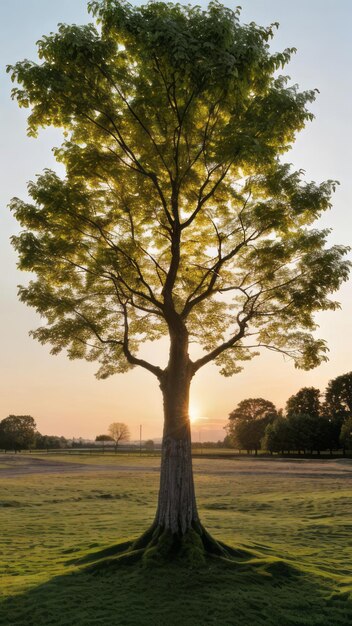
(63, 396)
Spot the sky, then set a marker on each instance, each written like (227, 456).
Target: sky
(64, 396)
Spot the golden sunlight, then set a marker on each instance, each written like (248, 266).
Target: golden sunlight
(193, 413)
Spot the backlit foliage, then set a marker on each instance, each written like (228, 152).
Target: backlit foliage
(176, 202)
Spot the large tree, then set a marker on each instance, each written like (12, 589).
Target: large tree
(305, 402)
(278, 436)
(176, 216)
(252, 409)
(17, 432)
(248, 421)
(338, 395)
(338, 407)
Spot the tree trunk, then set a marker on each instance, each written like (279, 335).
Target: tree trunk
(176, 529)
(177, 510)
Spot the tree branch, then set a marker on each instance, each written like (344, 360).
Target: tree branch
(214, 272)
(222, 347)
(133, 360)
(203, 199)
(132, 111)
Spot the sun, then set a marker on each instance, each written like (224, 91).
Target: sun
(193, 413)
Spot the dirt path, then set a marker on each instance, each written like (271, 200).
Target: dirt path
(12, 465)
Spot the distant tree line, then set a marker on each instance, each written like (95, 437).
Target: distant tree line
(312, 422)
(211, 444)
(19, 432)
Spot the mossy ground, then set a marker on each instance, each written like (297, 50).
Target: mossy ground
(295, 533)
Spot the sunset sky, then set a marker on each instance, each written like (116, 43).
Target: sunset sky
(64, 396)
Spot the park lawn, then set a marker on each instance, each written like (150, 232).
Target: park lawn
(109, 457)
(96, 458)
(298, 530)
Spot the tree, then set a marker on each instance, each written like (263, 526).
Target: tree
(338, 395)
(253, 409)
(301, 436)
(305, 402)
(278, 436)
(325, 434)
(17, 432)
(149, 445)
(103, 438)
(44, 442)
(176, 216)
(338, 406)
(119, 432)
(247, 434)
(346, 434)
(297, 433)
(312, 425)
(247, 423)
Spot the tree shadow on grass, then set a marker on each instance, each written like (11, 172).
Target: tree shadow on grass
(253, 593)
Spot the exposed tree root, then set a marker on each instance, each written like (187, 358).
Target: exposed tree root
(158, 546)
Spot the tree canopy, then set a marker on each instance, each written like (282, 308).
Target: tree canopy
(50, 441)
(252, 409)
(346, 433)
(279, 436)
(248, 421)
(119, 432)
(309, 425)
(305, 402)
(175, 122)
(17, 432)
(338, 395)
(103, 438)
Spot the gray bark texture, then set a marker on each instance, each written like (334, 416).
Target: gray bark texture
(177, 510)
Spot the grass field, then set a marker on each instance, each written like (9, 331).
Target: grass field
(297, 524)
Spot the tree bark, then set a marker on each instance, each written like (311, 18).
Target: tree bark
(177, 510)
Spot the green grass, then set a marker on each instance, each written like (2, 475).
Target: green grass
(298, 528)
(108, 458)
